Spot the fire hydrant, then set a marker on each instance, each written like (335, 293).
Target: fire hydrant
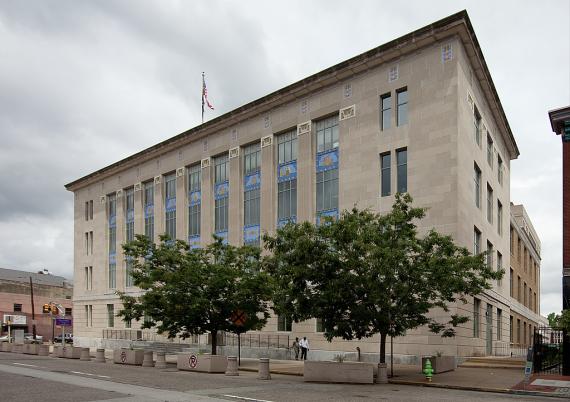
(428, 370)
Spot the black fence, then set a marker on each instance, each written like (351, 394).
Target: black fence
(549, 350)
(258, 340)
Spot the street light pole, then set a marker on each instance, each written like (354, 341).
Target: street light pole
(33, 309)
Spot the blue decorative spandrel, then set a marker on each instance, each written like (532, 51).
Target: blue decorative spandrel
(130, 216)
(251, 234)
(148, 211)
(195, 198)
(252, 181)
(284, 221)
(222, 190)
(223, 236)
(112, 258)
(112, 221)
(194, 242)
(321, 216)
(287, 171)
(327, 160)
(170, 204)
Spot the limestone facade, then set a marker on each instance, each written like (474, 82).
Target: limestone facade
(454, 127)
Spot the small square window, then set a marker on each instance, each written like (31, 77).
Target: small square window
(17, 307)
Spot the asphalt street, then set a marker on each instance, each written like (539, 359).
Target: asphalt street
(46, 379)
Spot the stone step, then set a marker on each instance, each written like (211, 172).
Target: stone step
(491, 365)
(497, 361)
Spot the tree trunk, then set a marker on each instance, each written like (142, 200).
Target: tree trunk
(214, 341)
(382, 348)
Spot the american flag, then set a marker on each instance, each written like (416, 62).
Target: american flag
(205, 100)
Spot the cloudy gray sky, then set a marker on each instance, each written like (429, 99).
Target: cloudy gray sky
(86, 83)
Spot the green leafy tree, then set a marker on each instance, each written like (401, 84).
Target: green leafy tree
(553, 319)
(561, 320)
(192, 292)
(368, 274)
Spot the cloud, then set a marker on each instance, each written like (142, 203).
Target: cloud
(86, 83)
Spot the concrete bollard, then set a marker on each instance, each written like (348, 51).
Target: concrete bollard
(147, 359)
(100, 356)
(43, 350)
(85, 355)
(160, 360)
(264, 369)
(382, 374)
(232, 368)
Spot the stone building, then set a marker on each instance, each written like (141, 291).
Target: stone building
(524, 279)
(16, 301)
(419, 114)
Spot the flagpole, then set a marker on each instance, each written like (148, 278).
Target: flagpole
(203, 84)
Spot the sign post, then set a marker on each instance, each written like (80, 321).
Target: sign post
(9, 322)
(239, 318)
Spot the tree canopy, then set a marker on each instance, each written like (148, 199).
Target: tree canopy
(368, 273)
(195, 291)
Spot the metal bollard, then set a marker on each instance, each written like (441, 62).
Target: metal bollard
(160, 360)
(43, 350)
(84, 356)
(232, 368)
(382, 374)
(100, 356)
(264, 369)
(147, 359)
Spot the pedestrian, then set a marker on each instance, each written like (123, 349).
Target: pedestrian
(304, 344)
(295, 347)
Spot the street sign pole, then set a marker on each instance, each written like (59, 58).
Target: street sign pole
(9, 331)
(239, 349)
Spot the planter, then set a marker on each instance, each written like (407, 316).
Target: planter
(345, 372)
(17, 348)
(72, 352)
(31, 349)
(128, 356)
(59, 351)
(440, 364)
(202, 363)
(5, 347)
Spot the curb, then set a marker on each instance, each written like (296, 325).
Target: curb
(478, 389)
(254, 370)
(448, 386)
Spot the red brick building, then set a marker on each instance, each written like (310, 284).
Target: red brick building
(560, 122)
(15, 300)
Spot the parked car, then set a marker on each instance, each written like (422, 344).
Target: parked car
(29, 338)
(5, 338)
(68, 338)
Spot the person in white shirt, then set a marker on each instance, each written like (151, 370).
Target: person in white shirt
(304, 344)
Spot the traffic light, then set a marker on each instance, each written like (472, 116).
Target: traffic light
(54, 310)
(46, 309)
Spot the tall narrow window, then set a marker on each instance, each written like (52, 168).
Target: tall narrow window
(112, 222)
(477, 124)
(129, 215)
(490, 151)
(86, 210)
(194, 205)
(490, 255)
(489, 204)
(499, 324)
(251, 195)
(283, 323)
(402, 166)
(129, 272)
(221, 194)
(386, 111)
(476, 309)
(327, 167)
(476, 241)
(91, 209)
(499, 169)
(170, 205)
(499, 266)
(149, 210)
(499, 218)
(385, 174)
(511, 329)
(402, 111)
(110, 315)
(287, 178)
(512, 282)
(477, 182)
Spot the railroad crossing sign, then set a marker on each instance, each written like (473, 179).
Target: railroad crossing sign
(239, 318)
(123, 357)
(193, 361)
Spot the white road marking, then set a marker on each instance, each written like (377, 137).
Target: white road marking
(246, 399)
(27, 365)
(94, 375)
